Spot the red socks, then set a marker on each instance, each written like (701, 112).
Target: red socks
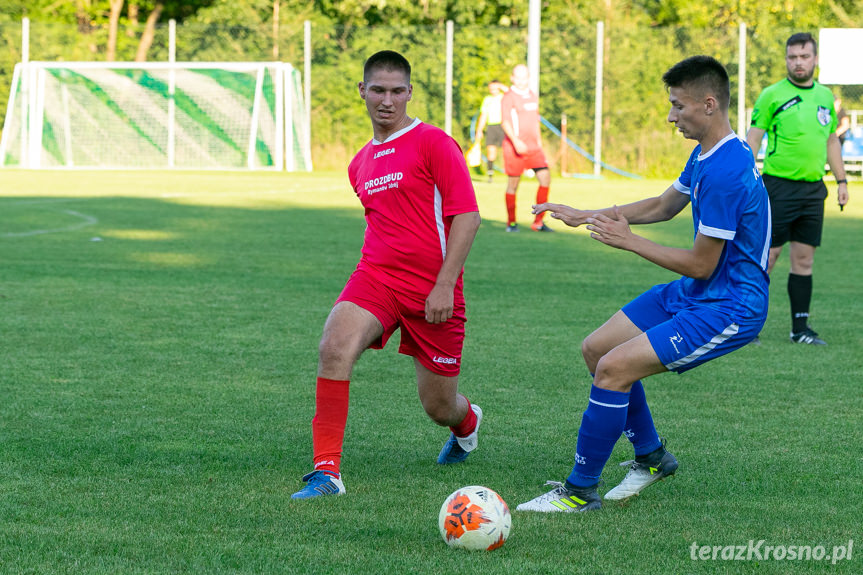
(541, 198)
(510, 209)
(328, 425)
(467, 425)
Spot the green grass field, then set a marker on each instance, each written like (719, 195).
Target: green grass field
(159, 345)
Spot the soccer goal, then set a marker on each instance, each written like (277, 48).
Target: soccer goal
(187, 115)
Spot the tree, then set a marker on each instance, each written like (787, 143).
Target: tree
(113, 24)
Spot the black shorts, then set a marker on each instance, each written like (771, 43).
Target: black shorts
(494, 135)
(797, 210)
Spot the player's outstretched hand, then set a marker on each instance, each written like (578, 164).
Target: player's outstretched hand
(570, 216)
(613, 231)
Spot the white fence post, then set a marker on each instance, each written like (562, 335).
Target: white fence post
(25, 89)
(172, 86)
(597, 112)
(448, 90)
(307, 83)
(534, 31)
(741, 82)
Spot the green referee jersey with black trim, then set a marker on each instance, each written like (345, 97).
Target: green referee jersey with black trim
(798, 122)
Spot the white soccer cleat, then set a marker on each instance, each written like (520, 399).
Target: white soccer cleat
(562, 499)
(642, 475)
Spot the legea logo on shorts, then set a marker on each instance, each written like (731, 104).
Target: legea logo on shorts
(448, 360)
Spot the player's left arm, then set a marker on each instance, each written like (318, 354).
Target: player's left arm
(697, 262)
(462, 231)
(837, 167)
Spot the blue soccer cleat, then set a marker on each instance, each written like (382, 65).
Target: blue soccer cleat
(319, 484)
(456, 449)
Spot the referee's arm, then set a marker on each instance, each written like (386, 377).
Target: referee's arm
(837, 167)
(753, 138)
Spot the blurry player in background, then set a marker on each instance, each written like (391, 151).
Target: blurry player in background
(489, 124)
(522, 147)
(421, 215)
(718, 305)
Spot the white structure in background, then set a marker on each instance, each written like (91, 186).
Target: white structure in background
(192, 115)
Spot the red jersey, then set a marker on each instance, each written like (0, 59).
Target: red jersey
(521, 109)
(411, 186)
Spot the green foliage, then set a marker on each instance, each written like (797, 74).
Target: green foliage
(643, 38)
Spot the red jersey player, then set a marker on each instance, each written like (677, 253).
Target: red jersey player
(422, 217)
(522, 148)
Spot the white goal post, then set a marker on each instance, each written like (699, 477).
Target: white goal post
(131, 115)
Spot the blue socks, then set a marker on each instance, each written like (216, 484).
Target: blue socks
(601, 425)
(639, 428)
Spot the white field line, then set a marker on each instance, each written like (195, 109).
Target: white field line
(86, 221)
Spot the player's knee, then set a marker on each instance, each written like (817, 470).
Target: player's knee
(332, 351)
(590, 352)
(802, 265)
(610, 375)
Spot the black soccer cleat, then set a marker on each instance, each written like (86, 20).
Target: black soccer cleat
(807, 336)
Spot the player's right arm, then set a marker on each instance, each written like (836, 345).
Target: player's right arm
(651, 210)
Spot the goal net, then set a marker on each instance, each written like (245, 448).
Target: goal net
(188, 115)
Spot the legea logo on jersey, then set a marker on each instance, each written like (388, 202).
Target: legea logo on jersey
(376, 185)
(386, 152)
(448, 360)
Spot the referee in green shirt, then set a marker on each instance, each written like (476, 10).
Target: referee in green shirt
(798, 117)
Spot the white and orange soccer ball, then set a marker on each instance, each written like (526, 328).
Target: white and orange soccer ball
(474, 518)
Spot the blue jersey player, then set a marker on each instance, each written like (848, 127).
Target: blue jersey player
(719, 304)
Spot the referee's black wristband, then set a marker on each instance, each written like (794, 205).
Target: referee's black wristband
(842, 181)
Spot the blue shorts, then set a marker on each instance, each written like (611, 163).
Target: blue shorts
(685, 334)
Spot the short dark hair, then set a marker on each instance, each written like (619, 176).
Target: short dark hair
(801, 39)
(388, 60)
(702, 73)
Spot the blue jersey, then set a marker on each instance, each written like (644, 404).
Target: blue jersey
(729, 202)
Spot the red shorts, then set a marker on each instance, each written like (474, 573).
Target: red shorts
(515, 165)
(436, 346)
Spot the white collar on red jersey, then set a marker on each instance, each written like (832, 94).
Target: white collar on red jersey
(395, 135)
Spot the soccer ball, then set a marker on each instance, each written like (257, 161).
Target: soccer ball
(474, 518)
